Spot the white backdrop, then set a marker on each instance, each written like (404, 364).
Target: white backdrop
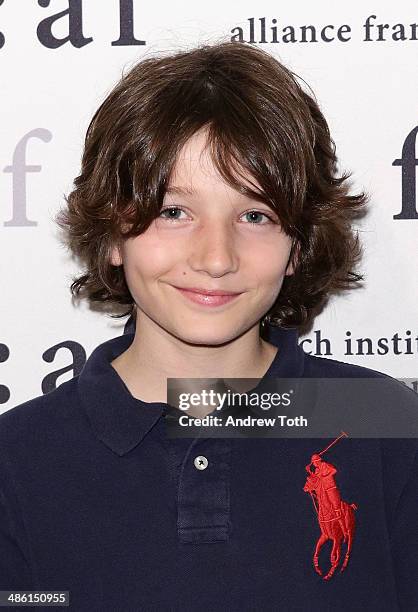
(366, 86)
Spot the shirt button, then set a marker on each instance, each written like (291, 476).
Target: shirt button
(200, 462)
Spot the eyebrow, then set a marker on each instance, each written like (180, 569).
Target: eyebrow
(187, 191)
(180, 190)
(190, 192)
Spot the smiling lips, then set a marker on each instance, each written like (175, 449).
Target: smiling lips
(207, 297)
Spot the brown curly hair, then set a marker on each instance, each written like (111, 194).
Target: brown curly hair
(260, 119)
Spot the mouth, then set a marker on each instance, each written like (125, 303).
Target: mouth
(206, 297)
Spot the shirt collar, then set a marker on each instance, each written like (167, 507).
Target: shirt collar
(120, 420)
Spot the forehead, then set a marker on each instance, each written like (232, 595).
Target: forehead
(195, 168)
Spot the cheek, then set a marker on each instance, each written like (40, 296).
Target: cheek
(146, 258)
(268, 262)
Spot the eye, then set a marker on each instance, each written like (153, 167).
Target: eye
(255, 213)
(170, 209)
(172, 215)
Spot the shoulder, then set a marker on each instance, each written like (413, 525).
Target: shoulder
(324, 367)
(338, 369)
(33, 422)
(373, 403)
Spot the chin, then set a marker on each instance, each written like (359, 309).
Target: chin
(210, 335)
(208, 339)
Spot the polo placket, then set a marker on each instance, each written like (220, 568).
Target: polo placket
(201, 468)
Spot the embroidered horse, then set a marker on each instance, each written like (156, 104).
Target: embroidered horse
(336, 517)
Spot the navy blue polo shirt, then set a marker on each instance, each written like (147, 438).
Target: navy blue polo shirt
(96, 500)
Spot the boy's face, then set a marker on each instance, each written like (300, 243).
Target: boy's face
(212, 243)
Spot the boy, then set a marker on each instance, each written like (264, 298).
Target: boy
(209, 206)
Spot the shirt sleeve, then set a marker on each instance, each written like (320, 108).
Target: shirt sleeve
(404, 543)
(15, 571)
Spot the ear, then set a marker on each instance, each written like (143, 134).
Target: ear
(115, 256)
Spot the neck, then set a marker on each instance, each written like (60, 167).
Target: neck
(156, 355)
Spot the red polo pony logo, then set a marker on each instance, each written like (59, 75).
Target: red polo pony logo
(336, 517)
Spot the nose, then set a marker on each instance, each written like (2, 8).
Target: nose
(214, 249)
